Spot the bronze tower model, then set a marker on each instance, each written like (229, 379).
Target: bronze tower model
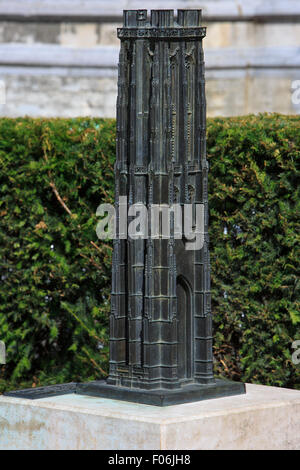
(161, 321)
(161, 328)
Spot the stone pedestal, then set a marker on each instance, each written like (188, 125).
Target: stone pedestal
(263, 418)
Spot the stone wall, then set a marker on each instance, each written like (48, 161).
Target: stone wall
(59, 57)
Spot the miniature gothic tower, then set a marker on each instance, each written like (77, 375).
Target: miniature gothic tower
(161, 324)
(161, 321)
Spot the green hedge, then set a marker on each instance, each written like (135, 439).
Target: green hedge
(55, 273)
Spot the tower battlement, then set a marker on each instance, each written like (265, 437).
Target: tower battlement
(162, 23)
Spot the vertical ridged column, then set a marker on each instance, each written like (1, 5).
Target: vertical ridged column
(203, 315)
(161, 348)
(118, 317)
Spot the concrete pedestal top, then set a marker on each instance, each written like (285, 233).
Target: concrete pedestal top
(263, 418)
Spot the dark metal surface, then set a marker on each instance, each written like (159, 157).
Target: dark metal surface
(187, 394)
(161, 322)
(43, 392)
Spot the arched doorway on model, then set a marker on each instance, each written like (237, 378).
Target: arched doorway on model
(184, 329)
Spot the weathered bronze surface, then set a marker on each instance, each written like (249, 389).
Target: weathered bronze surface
(161, 320)
(43, 392)
(159, 397)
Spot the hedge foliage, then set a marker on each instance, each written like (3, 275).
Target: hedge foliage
(55, 273)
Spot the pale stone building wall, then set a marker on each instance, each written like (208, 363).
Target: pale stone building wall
(59, 57)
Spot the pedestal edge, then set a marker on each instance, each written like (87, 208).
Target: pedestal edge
(159, 397)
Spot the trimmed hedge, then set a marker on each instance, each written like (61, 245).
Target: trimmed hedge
(55, 273)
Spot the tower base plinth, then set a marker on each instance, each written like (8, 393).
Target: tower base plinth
(99, 388)
(186, 394)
